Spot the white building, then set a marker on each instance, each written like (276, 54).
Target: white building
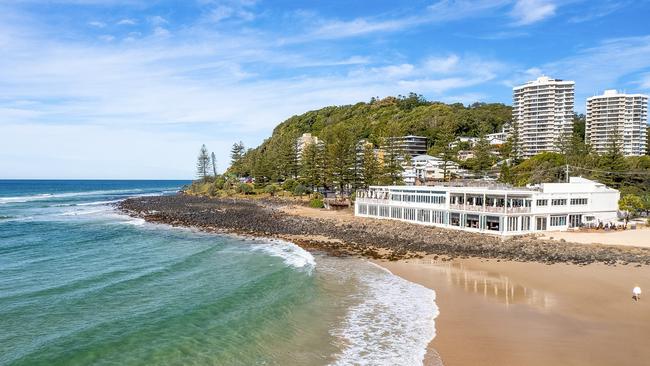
(542, 114)
(617, 117)
(500, 138)
(408, 145)
(426, 168)
(305, 140)
(493, 208)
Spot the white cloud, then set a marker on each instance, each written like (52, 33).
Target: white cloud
(164, 96)
(395, 71)
(603, 66)
(220, 13)
(600, 9)
(157, 20)
(160, 32)
(439, 12)
(341, 29)
(532, 11)
(612, 64)
(127, 21)
(107, 38)
(519, 77)
(97, 24)
(644, 82)
(442, 64)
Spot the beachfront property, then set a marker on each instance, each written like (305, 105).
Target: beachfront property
(494, 208)
(542, 114)
(619, 118)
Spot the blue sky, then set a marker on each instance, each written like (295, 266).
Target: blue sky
(131, 89)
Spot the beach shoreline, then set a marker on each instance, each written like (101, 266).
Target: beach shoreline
(517, 313)
(529, 312)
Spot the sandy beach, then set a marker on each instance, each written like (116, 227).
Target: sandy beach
(498, 311)
(513, 313)
(639, 237)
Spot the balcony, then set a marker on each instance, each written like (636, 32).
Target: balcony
(372, 200)
(491, 209)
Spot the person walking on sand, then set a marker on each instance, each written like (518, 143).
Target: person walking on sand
(636, 293)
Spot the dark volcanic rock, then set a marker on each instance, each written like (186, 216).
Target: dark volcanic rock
(371, 238)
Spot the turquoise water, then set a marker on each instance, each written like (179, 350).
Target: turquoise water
(82, 284)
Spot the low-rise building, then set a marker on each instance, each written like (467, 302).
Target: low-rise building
(494, 208)
(426, 168)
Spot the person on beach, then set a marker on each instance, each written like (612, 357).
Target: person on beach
(636, 293)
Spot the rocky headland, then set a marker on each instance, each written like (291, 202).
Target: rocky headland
(377, 239)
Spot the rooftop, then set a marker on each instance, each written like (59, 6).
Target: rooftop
(575, 184)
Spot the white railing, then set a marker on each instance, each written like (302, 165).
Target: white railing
(372, 200)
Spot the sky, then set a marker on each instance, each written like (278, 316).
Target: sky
(131, 89)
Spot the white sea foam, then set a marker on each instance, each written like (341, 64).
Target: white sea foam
(292, 254)
(46, 196)
(135, 221)
(82, 212)
(392, 323)
(97, 203)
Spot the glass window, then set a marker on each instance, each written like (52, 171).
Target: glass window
(578, 201)
(558, 220)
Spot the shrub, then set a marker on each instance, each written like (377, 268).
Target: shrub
(244, 188)
(212, 190)
(289, 185)
(299, 190)
(271, 189)
(220, 182)
(316, 203)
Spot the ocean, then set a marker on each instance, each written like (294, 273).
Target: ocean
(82, 284)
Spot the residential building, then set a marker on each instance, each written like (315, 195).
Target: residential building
(495, 139)
(499, 138)
(463, 155)
(620, 118)
(426, 168)
(494, 208)
(305, 140)
(542, 114)
(407, 145)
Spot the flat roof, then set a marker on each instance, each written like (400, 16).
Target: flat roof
(575, 185)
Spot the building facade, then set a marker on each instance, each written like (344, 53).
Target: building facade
(496, 209)
(408, 145)
(425, 169)
(303, 141)
(619, 118)
(542, 115)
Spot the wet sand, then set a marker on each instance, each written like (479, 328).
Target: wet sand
(513, 313)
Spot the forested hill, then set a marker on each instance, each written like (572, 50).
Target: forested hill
(374, 120)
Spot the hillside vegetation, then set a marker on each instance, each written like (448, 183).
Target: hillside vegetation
(337, 164)
(341, 127)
